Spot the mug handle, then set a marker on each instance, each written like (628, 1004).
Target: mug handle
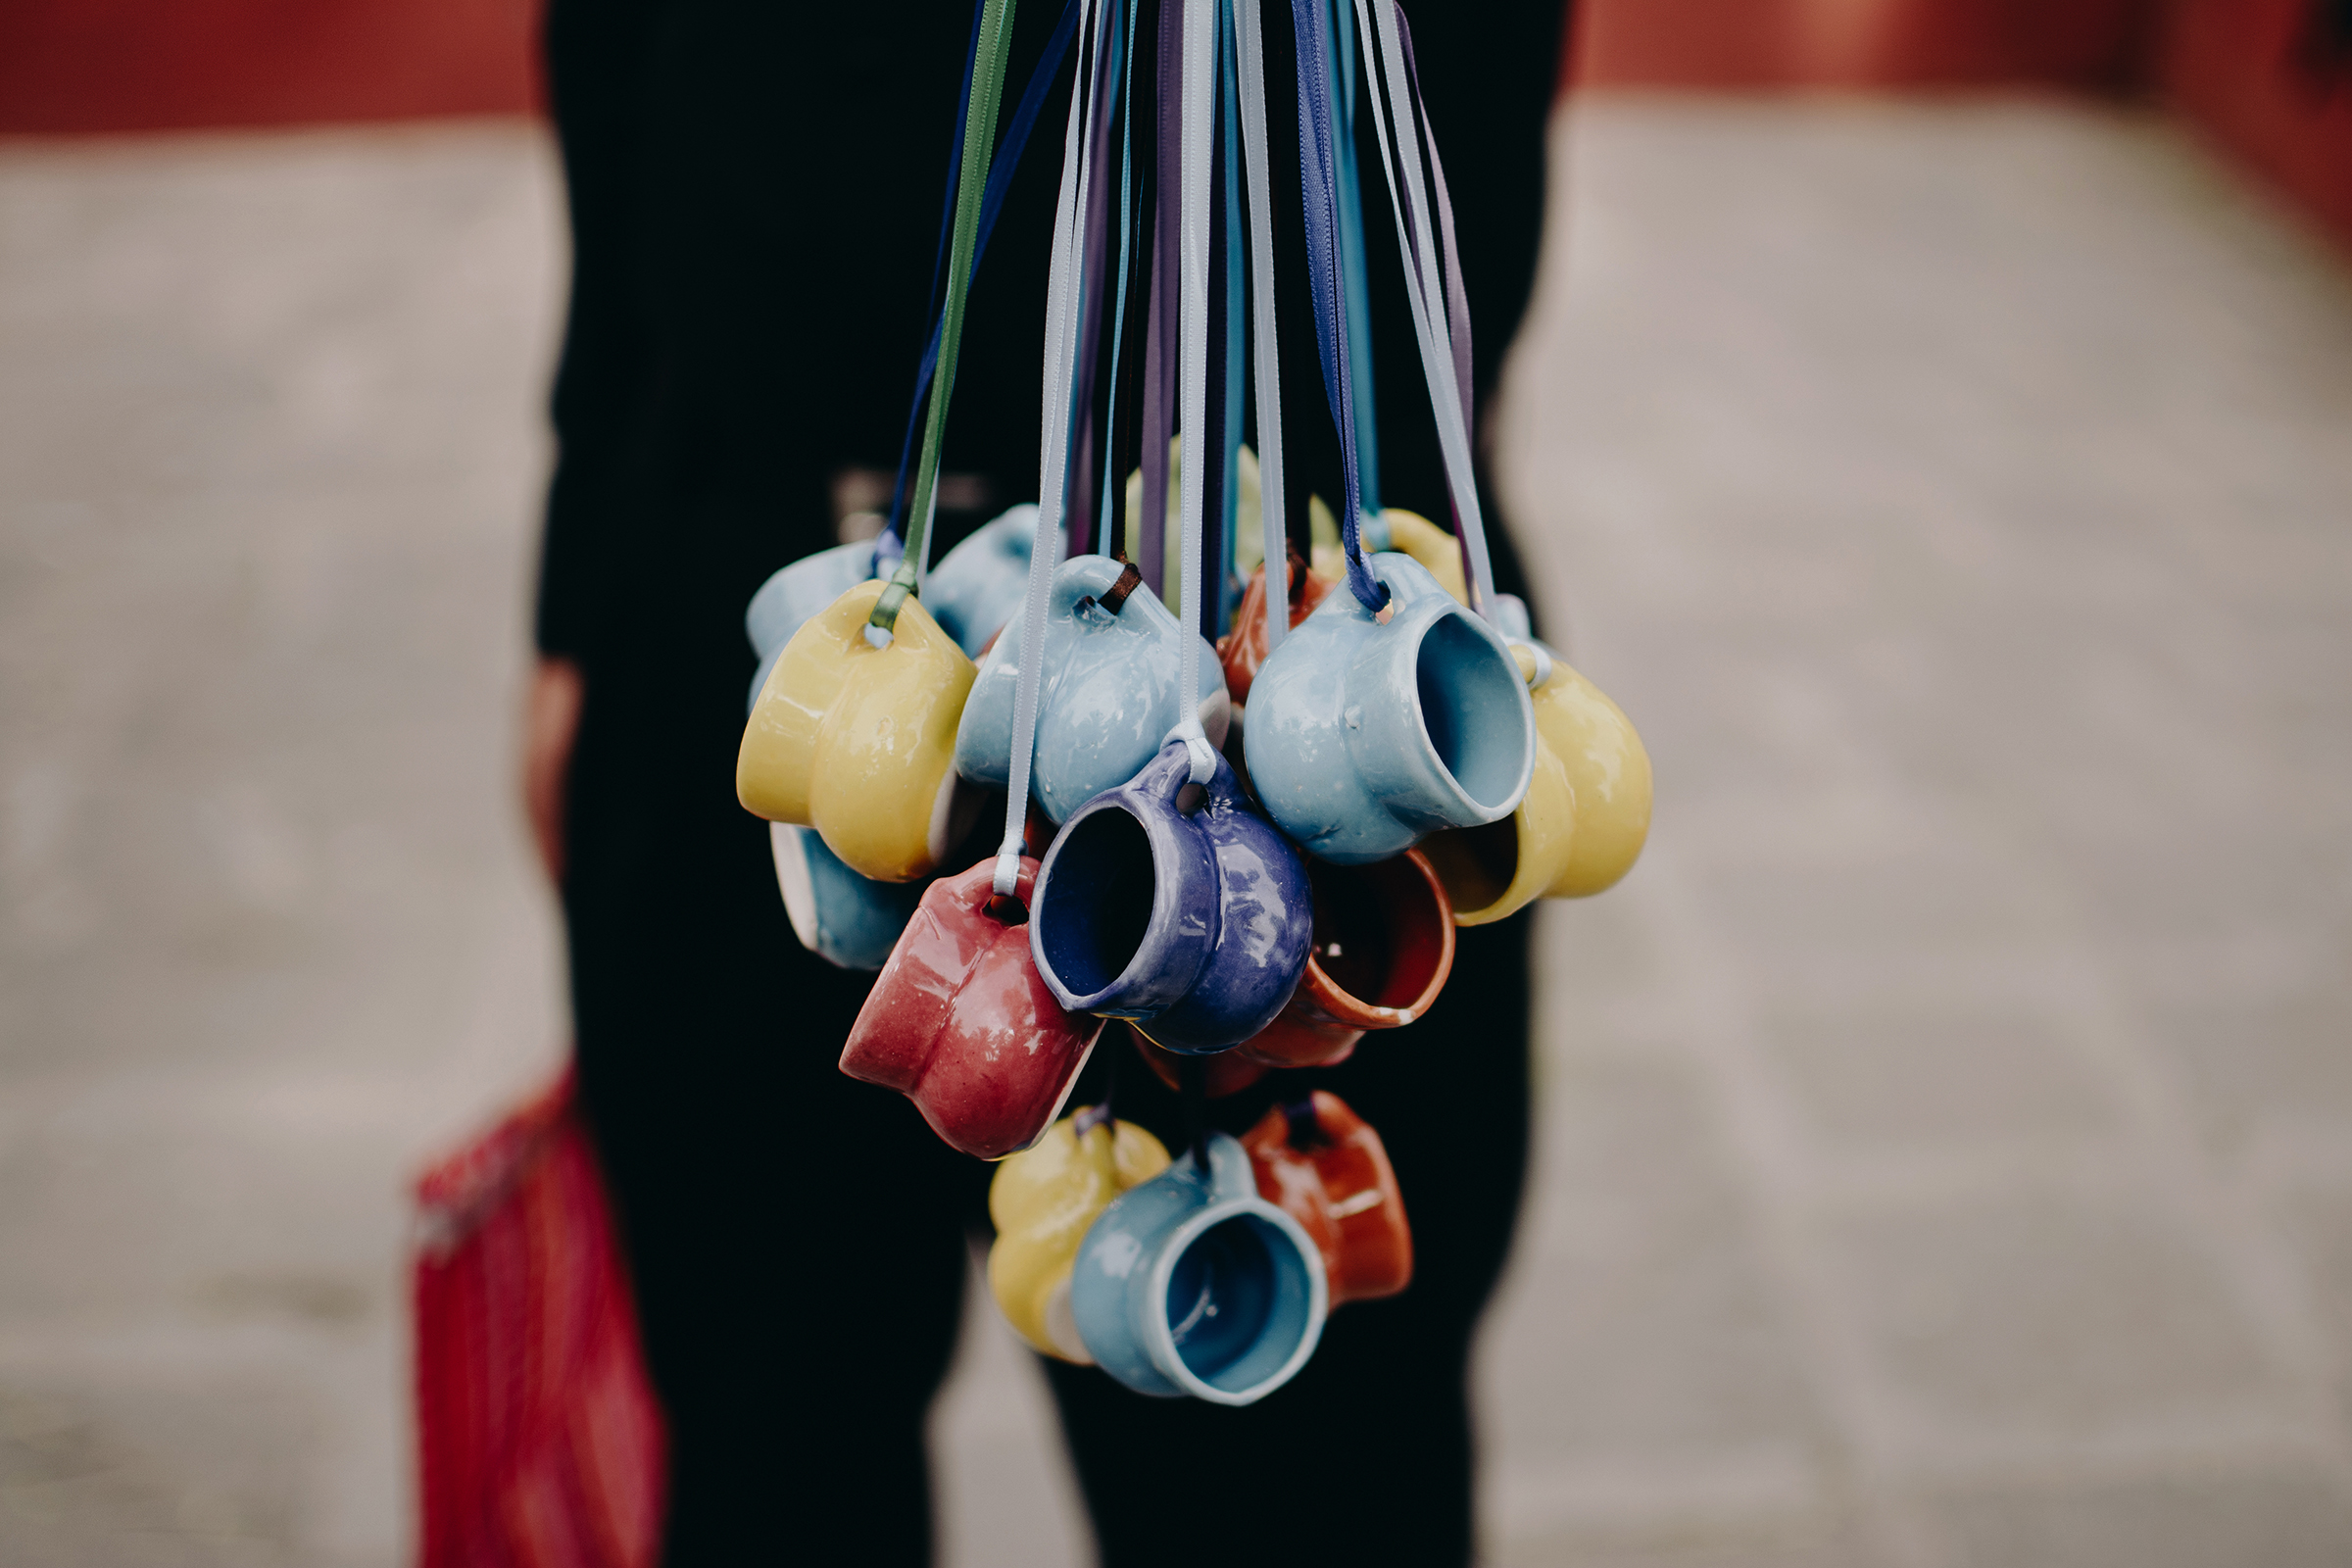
(1167, 776)
(1230, 1173)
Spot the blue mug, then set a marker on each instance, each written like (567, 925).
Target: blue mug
(1189, 918)
(844, 918)
(794, 593)
(1364, 736)
(1110, 691)
(1193, 1284)
(977, 586)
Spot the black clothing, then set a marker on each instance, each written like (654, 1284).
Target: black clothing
(755, 198)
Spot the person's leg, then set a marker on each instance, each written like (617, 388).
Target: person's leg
(743, 192)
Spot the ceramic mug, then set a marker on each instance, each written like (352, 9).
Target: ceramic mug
(1365, 736)
(1383, 947)
(1242, 650)
(1193, 1284)
(1110, 691)
(1585, 819)
(788, 599)
(1041, 1201)
(977, 586)
(1190, 919)
(857, 740)
(844, 918)
(960, 1022)
(1323, 1165)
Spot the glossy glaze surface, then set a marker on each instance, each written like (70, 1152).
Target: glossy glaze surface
(1242, 650)
(1585, 819)
(977, 586)
(857, 741)
(1363, 737)
(842, 918)
(1608, 774)
(1110, 694)
(1193, 924)
(1193, 1284)
(1383, 949)
(1336, 1182)
(961, 1022)
(1043, 1199)
(792, 593)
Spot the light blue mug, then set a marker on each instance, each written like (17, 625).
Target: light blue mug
(797, 592)
(1108, 697)
(842, 918)
(1193, 1284)
(977, 586)
(1363, 737)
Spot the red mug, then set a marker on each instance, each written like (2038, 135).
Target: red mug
(961, 1022)
(1243, 648)
(1383, 947)
(1323, 1165)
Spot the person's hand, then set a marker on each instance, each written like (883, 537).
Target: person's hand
(551, 722)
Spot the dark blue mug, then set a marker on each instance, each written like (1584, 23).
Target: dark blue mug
(1193, 1284)
(1189, 918)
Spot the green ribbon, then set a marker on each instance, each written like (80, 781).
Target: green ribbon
(972, 181)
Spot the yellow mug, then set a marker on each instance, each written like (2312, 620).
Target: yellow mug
(1044, 1199)
(1583, 822)
(858, 740)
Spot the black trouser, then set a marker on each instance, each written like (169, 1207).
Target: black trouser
(754, 194)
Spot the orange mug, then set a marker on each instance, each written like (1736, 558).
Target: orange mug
(1323, 1165)
(1383, 947)
(1243, 648)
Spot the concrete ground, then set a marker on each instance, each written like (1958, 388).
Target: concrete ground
(1946, 1153)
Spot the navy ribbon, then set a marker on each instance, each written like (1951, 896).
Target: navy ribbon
(1318, 171)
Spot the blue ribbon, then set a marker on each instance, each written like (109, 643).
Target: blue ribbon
(1318, 178)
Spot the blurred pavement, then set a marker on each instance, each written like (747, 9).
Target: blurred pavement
(1947, 1130)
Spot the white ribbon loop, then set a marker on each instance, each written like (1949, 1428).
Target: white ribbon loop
(1064, 280)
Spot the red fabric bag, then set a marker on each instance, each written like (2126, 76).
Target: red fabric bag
(540, 1442)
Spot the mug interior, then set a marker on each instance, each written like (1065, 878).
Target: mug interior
(1412, 929)
(1475, 863)
(1470, 710)
(1238, 1302)
(1097, 907)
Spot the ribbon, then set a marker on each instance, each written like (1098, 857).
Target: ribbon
(1318, 178)
(1096, 251)
(1160, 330)
(999, 180)
(1063, 284)
(1444, 344)
(1251, 69)
(1118, 330)
(1201, 28)
(988, 51)
(1356, 301)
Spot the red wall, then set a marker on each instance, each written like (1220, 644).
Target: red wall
(156, 64)
(1859, 43)
(2238, 69)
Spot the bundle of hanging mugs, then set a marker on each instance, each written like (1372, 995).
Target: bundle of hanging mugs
(1267, 784)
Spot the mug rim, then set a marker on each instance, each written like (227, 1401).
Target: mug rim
(1108, 800)
(1159, 1341)
(1445, 606)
